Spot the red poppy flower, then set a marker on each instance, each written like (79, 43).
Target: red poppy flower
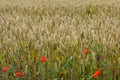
(5, 69)
(85, 51)
(18, 74)
(97, 73)
(43, 59)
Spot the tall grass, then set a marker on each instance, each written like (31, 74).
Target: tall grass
(60, 30)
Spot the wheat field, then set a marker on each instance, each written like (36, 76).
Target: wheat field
(59, 30)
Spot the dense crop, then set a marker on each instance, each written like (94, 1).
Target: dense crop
(59, 40)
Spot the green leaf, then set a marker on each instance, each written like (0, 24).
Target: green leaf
(68, 62)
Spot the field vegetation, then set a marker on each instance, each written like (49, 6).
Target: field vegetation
(59, 40)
